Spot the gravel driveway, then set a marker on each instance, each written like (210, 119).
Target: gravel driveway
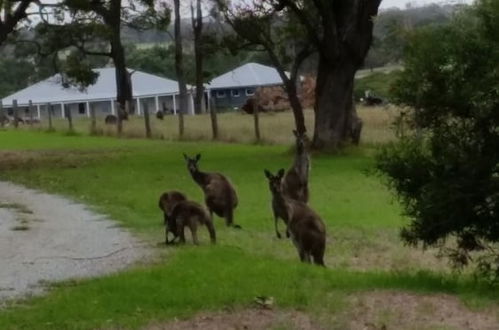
(45, 237)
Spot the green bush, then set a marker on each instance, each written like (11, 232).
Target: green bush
(447, 173)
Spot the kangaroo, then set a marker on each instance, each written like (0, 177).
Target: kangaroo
(295, 183)
(180, 213)
(307, 229)
(220, 195)
(167, 202)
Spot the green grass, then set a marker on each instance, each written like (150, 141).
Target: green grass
(234, 127)
(379, 83)
(124, 178)
(210, 278)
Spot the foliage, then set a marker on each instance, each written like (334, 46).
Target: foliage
(392, 26)
(84, 29)
(447, 173)
(19, 72)
(159, 60)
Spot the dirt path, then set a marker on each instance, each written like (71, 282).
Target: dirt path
(50, 238)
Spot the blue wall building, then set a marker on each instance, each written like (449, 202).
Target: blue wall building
(231, 90)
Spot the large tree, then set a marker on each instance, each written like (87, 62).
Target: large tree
(262, 28)
(340, 32)
(447, 173)
(94, 28)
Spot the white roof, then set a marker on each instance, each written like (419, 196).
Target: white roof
(51, 90)
(248, 75)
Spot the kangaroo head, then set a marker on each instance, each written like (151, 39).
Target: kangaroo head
(301, 141)
(192, 163)
(275, 181)
(170, 199)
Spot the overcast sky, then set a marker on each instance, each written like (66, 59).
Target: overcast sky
(402, 3)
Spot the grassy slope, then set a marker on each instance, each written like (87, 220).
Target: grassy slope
(126, 181)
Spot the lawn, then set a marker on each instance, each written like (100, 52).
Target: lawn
(124, 178)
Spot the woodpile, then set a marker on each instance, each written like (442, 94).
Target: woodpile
(307, 92)
(275, 99)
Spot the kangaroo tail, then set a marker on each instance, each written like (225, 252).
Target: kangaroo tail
(229, 216)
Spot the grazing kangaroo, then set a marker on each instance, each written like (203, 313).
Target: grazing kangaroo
(220, 196)
(113, 120)
(295, 183)
(307, 230)
(180, 213)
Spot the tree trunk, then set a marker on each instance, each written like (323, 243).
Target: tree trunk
(93, 121)
(256, 119)
(123, 79)
(11, 16)
(296, 106)
(333, 106)
(179, 67)
(197, 26)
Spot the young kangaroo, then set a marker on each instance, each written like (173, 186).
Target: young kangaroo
(180, 213)
(307, 230)
(167, 202)
(295, 183)
(220, 196)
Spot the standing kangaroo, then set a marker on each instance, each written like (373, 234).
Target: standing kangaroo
(307, 230)
(220, 196)
(295, 183)
(180, 213)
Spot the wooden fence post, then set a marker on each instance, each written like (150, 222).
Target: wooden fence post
(93, 120)
(16, 117)
(67, 113)
(30, 113)
(147, 121)
(120, 114)
(214, 120)
(256, 119)
(127, 107)
(181, 124)
(2, 114)
(49, 112)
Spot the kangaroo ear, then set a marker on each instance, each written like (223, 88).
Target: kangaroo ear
(295, 133)
(267, 174)
(280, 174)
(186, 157)
(198, 157)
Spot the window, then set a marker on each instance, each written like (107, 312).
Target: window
(220, 94)
(81, 108)
(250, 92)
(235, 93)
